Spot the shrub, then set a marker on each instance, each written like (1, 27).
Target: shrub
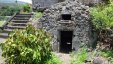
(37, 15)
(107, 1)
(29, 46)
(103, 21)
(107, 53)
(26, 8)
(102, 17)
(9, 10)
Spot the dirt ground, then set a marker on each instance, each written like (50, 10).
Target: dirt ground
(65, 58)
(1, 58)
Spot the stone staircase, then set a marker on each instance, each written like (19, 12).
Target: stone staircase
(19, 21)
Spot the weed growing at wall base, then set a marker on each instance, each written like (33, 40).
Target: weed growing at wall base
(80, 56)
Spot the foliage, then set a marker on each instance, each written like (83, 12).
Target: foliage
(54, 60)
(80, 56)
(102, 16)
(9, 10)
(104, 52)
(2, 17)
(29, 46)
(38, 14)
(26, 8)
(103, 21)
(107, 1)
(107, 53)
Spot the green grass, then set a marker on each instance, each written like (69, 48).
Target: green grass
(2, 23)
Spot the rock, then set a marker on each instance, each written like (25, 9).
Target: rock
(100, 60)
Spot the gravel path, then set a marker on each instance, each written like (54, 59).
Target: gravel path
(65, 58)
(1, 58)
(2, 40)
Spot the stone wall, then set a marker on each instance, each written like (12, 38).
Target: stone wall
(39, 4)
(90, 1)
(80, 23)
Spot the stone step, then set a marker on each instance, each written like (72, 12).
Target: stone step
(20, 21)
(23, 16)
(4, 35)
(7, 30)
(19, 24)
(16, 27)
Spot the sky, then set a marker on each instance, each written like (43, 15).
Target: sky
(13, 1)
(28, 1)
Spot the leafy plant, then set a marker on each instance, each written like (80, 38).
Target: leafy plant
(38, 14)
(107, 1)
(80, 56)
(54, 60)
(103, 21)
(108, 54)
(9, 10)
(29, 46)
(102, 17)
(26, 8)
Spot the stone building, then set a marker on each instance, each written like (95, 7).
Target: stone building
(70, 25)
(40, 4)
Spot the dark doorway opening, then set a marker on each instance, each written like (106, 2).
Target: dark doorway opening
(66, 41)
